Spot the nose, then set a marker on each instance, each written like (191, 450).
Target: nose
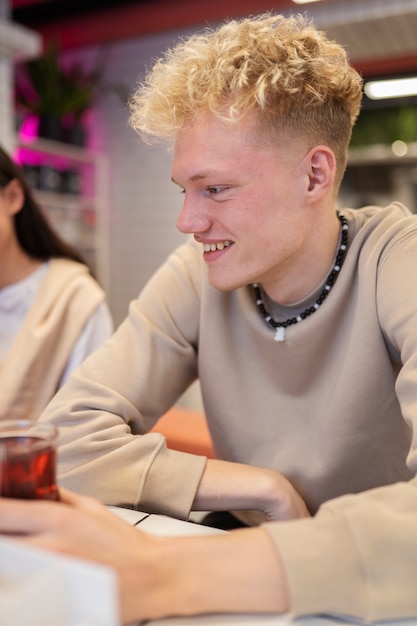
(192, 218)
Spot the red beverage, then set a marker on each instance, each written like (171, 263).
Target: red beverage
(27, 468)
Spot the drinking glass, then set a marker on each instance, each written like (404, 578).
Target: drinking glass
(28, 460)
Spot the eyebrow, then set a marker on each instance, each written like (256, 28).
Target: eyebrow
(199, 176)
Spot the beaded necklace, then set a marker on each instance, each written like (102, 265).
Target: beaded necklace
(280, 327)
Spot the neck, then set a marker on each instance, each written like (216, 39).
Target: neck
(280, 326)
(17, 266)
(311, 267)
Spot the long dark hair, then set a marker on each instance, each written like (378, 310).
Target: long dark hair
(33, 230)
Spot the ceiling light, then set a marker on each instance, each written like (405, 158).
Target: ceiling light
(399, 148)
(395, 88)
(304, 1)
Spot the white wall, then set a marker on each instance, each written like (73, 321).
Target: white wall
(143, 201)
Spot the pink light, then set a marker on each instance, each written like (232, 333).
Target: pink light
(29, 128)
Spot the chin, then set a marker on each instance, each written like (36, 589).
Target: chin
(226, 285)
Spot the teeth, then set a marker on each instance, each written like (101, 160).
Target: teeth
(211, 247)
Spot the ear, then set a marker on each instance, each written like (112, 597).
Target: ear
(14, 196)
(322, 172)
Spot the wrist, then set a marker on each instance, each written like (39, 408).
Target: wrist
(250, 578)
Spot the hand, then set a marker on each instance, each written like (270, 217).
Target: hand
(158, 576)
(238, 487)
(283, 502)
(82, 527)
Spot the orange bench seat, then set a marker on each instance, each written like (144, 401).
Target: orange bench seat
(186, 430)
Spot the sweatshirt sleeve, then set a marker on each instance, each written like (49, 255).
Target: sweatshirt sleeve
(357, 557)
(108, 405)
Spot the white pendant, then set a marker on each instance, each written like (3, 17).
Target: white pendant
(279, 334)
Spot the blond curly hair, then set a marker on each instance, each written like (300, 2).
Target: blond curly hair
(281, 67)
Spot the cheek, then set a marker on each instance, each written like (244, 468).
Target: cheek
(281, 235)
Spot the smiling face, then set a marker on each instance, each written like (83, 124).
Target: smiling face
(248, 201)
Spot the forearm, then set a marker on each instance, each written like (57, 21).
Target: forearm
(231, 485)
(235, 572)
(235, 486)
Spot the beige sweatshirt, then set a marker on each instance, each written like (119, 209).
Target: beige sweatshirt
(334, 408)
(33, 367)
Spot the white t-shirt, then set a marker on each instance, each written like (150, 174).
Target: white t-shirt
(15, 302)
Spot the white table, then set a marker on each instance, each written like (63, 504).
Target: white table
(162, 525)
(167, 526)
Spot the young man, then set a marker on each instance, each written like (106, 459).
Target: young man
(300, 323)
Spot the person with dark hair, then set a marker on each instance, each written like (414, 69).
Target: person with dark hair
(53, 313)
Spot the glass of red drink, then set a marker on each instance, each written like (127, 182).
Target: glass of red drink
(28, 460)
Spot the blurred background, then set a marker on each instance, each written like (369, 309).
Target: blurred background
(67, 68)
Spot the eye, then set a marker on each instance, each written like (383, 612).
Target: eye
(215, 190)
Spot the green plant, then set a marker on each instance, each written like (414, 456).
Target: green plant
(48, 88)
(40, 85)
(81, 87)
(385, 126)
